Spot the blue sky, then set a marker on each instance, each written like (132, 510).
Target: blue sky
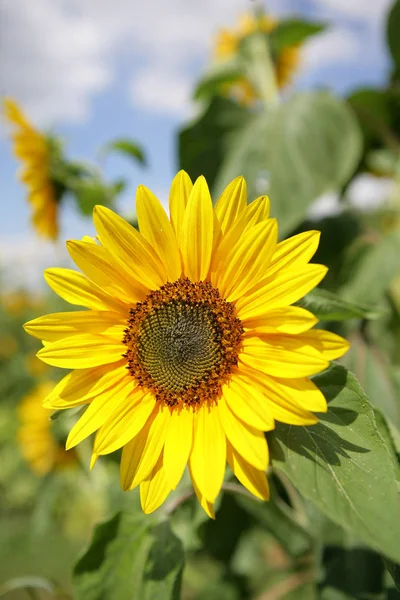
(102, 69)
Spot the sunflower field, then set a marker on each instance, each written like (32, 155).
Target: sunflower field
(203, 403)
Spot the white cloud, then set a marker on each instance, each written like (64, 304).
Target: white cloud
(357, 8)
(53, 61)
(58, 54)
(161, 90)
(334, 46)
(24, 258)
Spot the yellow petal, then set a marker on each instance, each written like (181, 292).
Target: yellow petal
(197, 232)
(96, 262)
(248, 403)
(141, 454)
(154, 489)
(88, 239)
(280, 290)
(254, 213)
(287, 319)
(178, 198)
(330, 345)
(98, 411)
(246, 263)
(231, 203)
(208, 456)
(81, 386)
(247, 440)
(93, 460)
(130, 247)
(155, 227)
(128, 418)
(253, 479)
(207, 506)
(290, 400)
(82, 352)
(294, 252)
(178, 443)
(282, 356)
(77, 289)
(301, 391)
(56, 326)
(14, 114)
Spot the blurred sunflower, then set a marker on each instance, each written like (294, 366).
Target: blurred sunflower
(227, 46)
(190, 349)
(36, 437)
(32, 148)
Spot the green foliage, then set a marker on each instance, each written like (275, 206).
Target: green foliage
(313, 132)
(343, 464)
(375, 271)
(127, 148)
(292, 32)
(331, 307)
(131, 557)
(393, 28)
(226, 71)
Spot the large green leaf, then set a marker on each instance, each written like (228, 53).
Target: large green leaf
(306, 147)
(375, 375)
(343, 464)
(330, 307)
(130, 558)
(294, 152)
(376, 269)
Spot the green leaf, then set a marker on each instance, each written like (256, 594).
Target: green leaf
(130, 558)
(306, 147)
(204, 143)
(377, 268)
(343, 464)
(394, 570)
(375, 375)
(393, 28)
(127, 147)
(292, 32)
(219, 73)
(296, 152)
(89, 192)
(327, 306)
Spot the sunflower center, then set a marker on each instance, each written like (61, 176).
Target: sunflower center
(183, 342)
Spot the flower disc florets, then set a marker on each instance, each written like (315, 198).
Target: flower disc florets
(183, 342)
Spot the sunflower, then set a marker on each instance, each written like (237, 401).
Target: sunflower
(32, 148)
(190, 349)
(37, 440)
(227, 45)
